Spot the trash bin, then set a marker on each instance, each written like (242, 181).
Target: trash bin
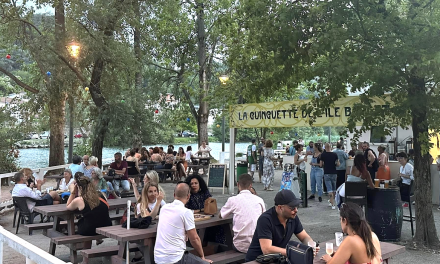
(241, 168)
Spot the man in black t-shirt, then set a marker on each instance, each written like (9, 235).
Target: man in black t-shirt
(276, 226)
(331, 161)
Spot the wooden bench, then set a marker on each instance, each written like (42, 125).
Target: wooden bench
(226, 257)
(103, 252)
(166, 171)
(49, 225)
(73, 239)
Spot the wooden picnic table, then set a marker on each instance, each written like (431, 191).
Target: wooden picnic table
(59, 212)
(146, 237)
(389, 250)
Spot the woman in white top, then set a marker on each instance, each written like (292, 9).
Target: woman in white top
(66, 183)
(204, 150)
(406, 174)
(298, 160)
(150, 201)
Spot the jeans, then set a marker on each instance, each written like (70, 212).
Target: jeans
(316, 175)
(110, 186)
(330, 182)
(189, 258)
(121, 183)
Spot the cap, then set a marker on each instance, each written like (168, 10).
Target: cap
(287, 197)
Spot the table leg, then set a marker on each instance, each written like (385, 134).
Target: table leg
(52, 246)
(71, 231)
(229, 235)
(148, 250)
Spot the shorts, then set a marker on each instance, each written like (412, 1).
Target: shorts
(45, 200)
(253, 167)
(330, 182)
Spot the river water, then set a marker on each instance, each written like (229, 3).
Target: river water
(39, 157)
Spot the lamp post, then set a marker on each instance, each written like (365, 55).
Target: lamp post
(223, 80)
(74, 49)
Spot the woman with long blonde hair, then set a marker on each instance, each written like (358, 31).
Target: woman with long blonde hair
(150, 177)
(150, 201)
(90, 203)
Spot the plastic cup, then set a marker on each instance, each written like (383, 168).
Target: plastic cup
(376, 183)
(382, 186)
(387, 184)
(339, 237)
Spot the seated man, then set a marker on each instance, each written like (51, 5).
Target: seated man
(276, 226)
(246, 209)
(176, 225)
(76, 165)
(120, 167)
(22, 190)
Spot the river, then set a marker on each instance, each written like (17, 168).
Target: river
(39, 157)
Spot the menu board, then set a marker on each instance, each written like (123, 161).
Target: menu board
(217, 176)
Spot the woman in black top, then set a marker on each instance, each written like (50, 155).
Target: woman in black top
(91, 205)
(199, 193)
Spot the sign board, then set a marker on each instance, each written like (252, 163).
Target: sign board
(289, 113)
(217, 176)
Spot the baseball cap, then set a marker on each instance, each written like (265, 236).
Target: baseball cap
(287, 197)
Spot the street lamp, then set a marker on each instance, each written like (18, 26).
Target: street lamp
(223, 80)
(74, 48)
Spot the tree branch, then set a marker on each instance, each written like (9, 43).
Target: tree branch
(163, 68)
(18, 82)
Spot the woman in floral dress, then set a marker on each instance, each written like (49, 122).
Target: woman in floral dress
(268, 168)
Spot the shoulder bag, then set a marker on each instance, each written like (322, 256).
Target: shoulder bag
(271, 258)
(210, 206)
(298, 253)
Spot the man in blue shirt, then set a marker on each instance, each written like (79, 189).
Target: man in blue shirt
(340, 170)
(276, 226)
(309, 149)
(292, 149)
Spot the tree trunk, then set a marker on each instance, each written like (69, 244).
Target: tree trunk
(426, 233)
(202, 121)
(57, 95)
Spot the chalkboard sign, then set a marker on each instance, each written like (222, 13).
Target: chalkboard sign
(217, 176)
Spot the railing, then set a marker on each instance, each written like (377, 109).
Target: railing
(32, 253)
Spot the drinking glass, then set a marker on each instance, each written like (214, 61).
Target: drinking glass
(312, 244)
(339, 237)
(329, 248)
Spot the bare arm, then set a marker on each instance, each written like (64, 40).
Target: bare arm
(155, 211)
(135, 189)
(194, 239)
(136, 163)
(343, 253)
(367, 176)
(266, 247)
(121, 172)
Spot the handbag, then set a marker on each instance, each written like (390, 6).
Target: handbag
(210, 206)
(111, 173)
(298, 253)
(271, 258)
(140, 222)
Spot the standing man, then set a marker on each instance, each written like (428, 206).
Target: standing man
(331, 161)
(246, 208)
(252, 157)
(120, 166)
(276, 226)
(342, 157)
(309, 149)
(371, 160)
(292, 149)
(261, 158)
(175, 227)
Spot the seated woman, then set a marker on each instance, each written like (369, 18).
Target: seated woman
(101, 184)
(150, 177)
(156, 157)
(67, 183)
(93, 162)
(145, 156)
(356, 173)
(31, 183)
(91, 204)
(181, 164)
(199, 193)
(133, 160)
(169, 161)
(150, 202)
(361, 245)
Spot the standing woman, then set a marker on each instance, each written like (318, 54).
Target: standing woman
(407, 175)
(268, 168)
(300, 162)
(383, 173)
(316, 172)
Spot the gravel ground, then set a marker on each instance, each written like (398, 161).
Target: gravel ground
(319, 220)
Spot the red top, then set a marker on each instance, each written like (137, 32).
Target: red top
(121, 166)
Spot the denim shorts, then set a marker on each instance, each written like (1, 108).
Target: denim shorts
(330, 182)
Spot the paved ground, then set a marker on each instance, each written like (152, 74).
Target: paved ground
(319, 220)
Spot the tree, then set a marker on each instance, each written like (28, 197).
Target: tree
(368, 47)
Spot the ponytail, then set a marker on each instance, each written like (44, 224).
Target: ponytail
(365, 233)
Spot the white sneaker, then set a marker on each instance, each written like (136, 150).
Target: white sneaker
(333, 207)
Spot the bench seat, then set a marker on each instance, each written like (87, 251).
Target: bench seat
(103, 252)
(64, 240)
(226, 257)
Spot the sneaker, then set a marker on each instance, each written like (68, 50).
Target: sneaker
(311, 197)
(405, 205)
(413, 203)
(320, 199)
(333, 207)
(438, 208)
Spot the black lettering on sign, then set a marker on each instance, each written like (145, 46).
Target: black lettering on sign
(263, 115)
(294, 113)
(329, 112)
(268, 114)
(274, 114)
(245, 116)
(278, 114)
(347, 111)
(304, 114)
(336, 111)
(290, 113)
(239, 116)
(284, 113)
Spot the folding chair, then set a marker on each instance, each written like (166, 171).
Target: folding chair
(24, 213)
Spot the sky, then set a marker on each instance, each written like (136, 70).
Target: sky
(43, 9)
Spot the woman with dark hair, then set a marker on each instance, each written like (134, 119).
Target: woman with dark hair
(90, 204)
(199, 193)
(169, 161)
(145, 155)
(156, 157)
(316, 172)
(383, 173)
(356, 173)
(182, 164)
(299, 162)
(268, 168)
(361, 245)
(133, 160)
(406, 174)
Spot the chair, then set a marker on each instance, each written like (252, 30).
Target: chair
(410, 199)
(24, 213)
(356, 192)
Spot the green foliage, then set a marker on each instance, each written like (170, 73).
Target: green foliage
(9, 136)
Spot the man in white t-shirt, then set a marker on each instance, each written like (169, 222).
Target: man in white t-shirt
(175, 227)
(246, 208)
